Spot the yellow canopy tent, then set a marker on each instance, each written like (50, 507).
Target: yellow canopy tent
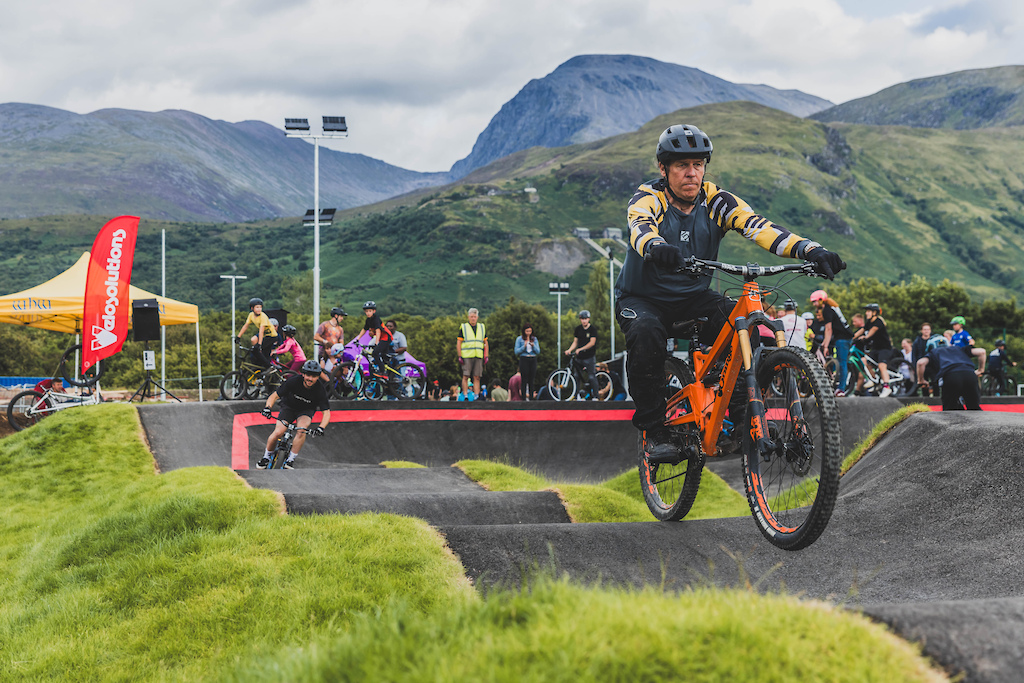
(57, 305)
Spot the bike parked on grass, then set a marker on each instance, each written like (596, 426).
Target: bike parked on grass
(791, 444)
(567, 384)
(29, 407)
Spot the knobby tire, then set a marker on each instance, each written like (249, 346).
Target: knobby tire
(792, 493)
(669, 490)
(67, 369)
(233, 387)
(18, 415)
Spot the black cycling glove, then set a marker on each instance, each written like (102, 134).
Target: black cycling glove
(265, 412)
(826, 262)
(666, 255)
(316, 431)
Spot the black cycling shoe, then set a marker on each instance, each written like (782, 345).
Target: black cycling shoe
(660, 446)
(263, 463)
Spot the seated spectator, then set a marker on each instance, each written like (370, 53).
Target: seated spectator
(515, 384)
(497, 393)
(618, 391)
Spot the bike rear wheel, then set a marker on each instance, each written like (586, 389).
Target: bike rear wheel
(68, 367)
(26, 409)
(412, 382)
(350, 373)
(792, 488)
(669, 490)
(562, 385)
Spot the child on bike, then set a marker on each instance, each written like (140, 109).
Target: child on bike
(382, 351)
(266, 334)
(301, 396)
(291, 346)
(879, 345)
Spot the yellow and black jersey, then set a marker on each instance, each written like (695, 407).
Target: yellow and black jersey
(649, 205)
(699, 233)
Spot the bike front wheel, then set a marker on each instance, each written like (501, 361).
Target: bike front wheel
(68, 367)
(792, 479)
(374, 389)
(670, 489)
(411, 382)
(26, 409)
(233, 386)
(562, 385)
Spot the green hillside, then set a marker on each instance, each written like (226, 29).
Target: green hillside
(978, 98)
(893, 201)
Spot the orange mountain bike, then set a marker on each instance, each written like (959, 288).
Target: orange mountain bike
(790, 436)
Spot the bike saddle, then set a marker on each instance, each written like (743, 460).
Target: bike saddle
(687, 328)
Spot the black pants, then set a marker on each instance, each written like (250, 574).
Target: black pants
(646, 325)
(961, 384)
(527, 369)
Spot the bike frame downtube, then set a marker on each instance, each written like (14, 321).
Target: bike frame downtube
(709, 404)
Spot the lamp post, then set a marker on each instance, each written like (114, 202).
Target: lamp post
(233, 278)
(333, 127)
(558, 289)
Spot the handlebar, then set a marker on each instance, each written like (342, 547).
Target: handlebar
(750, 272)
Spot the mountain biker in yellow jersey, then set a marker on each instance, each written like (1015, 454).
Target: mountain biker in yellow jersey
(266, 334)
(678, 215)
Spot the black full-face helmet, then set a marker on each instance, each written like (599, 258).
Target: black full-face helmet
(683, 141)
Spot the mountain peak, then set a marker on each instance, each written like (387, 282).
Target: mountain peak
(590, 97)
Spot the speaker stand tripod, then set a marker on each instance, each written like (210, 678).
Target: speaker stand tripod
(146, 389)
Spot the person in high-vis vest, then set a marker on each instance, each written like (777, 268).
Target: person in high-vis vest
(472, 350)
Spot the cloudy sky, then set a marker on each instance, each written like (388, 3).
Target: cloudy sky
(419, 79)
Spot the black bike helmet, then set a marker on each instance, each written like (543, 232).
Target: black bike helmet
(873, 307)
(1000, 342)
(683, 142)
(338, 310)
(584, 314)
(289, 330)
(789, 305)
(311, 367)
(255, 301)
(370, 304)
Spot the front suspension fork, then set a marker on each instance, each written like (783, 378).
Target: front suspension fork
(756, 415)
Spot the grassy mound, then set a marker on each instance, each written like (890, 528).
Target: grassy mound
(111, 572)
(617, 500)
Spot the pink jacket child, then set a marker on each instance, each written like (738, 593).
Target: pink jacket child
(298, 357)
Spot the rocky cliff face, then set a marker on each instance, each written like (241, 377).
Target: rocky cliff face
(176, 165)
(594, 96)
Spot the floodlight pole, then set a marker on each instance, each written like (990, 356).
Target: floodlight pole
(558, 289)
(163, 328)
(233, 278)
(338, 132)
(612, 262)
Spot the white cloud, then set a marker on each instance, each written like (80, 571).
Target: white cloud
(421, 78)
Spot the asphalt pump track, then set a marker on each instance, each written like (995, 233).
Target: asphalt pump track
(925, 537)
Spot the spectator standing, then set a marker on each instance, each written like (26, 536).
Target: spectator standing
(399, 344)
(472, 349)
(434, 391)
(879, 345)
(794, 327)
(329, 333)
(527, 347)
(810, 334)
(836, 331)
(955, 370)
(497, 393)
(584, 343)
(961, 337)
(997, 362)
(919, 349)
